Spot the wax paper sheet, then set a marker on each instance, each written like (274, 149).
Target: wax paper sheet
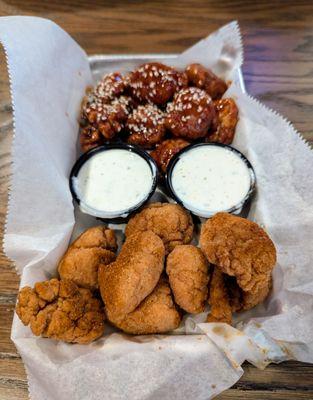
(49, 73)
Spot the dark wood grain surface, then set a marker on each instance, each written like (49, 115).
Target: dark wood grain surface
(278, 70)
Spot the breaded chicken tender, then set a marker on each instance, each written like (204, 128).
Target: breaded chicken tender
(170, 222)
(81, 261)
(133, 276)
(221, 310)
(239, 248)
(62, 311)
(188, 272)
(156, 314)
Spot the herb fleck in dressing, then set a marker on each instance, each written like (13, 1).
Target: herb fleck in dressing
(209, 179)
(113, 181)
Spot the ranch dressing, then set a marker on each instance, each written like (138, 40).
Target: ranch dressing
(113, 181)
(208, 179)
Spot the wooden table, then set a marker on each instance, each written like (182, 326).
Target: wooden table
(278, 39)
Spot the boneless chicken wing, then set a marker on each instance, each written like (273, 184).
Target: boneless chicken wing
(62, 311)
(81, 261)
(239, 248)
(170, 222)
(188, 272)
(205, 79)
(224, 123)
(155, 83)
(156, 314)
(145, 126)
(133, 276)
(190, 114)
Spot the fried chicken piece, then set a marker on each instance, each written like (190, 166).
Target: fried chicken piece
(244, 301)
(104, 111)
(226, 297)
(146, 126)
(110, 86)
(171, 222)
(97, 236)
(166, 150)
(90, 137)
(155, 83)
(190, 114)
(107, 118)
(61, 310)
(239, 248)
(155, 314)
(133, 276)
(81, 261)
(225, 122)
(205, 79)
(188, 273)
(221, 310)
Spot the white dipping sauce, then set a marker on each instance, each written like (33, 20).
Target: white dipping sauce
(113, 181)
(210, 178)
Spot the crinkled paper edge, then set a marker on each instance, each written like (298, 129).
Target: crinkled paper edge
(11, 183)
(12, 147)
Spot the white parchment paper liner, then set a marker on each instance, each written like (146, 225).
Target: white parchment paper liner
(49, 73)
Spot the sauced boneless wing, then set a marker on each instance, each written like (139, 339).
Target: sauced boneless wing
(155, 83)
(97, 236)
(145, 126)
(188, 273)
(166, 150)
(133, 276)
(62, 311)
(227, 297)
(104, 111)
(170, 222)
(224, 123)
(156, 314)
(81, 261)
(190, 114)
(239, 248)
(205, 79)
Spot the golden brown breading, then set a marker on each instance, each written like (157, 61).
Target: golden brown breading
(81, 265)
(240, 248)
(133, 276)
(169, 221)
(188, 273)
(156, 314)
(81, 261)
(97, 236)
(221, 310)
(227, 297)
(62, 311)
